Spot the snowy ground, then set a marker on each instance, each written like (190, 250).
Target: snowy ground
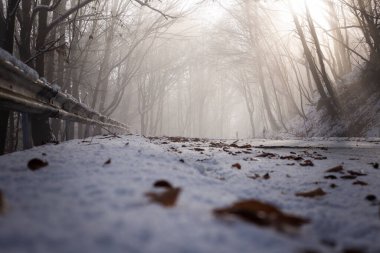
(81, 203)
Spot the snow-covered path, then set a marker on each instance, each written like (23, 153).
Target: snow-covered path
(80, 203)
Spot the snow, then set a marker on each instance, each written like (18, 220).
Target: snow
(80, 204)
(28, 71)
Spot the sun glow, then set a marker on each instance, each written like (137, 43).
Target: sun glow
(317, 8)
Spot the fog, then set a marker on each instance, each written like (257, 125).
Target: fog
(226, 69)
(218, 69)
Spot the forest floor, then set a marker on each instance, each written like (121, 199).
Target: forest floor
(135, 194)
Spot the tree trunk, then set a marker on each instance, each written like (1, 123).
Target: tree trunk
(41, 130)
(7, 44)
(312, 66)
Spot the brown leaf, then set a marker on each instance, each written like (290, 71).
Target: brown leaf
(36, 164)
(371, 197)
(311, 194)
(107, 162)
(262, 214)
(236, 165)
(291, 157)
(162, 184)
(168, 198)
(307, 163)
(335, 169)
(2, 203)
(266, 176)
(358, 182)
(265, 154)
(330, 177)
(356, 173)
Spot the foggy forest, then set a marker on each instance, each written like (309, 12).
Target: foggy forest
(195, 92)
(217, 69)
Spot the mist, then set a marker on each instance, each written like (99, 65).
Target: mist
(210, 69)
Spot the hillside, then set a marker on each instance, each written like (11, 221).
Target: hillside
(359, 115)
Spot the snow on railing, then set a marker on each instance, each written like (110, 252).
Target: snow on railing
(21, 89)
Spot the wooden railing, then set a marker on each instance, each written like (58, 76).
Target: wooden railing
(22, 90)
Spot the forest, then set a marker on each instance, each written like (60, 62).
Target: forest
(221, 69)
(197, 126)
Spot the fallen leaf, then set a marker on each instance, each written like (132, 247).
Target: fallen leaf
(319, 157)
(2, 203)
(107, 162)
(168, 198)
(307, 163)
(36, 164)
(291, 157)
(375, 165)
(162, 184)
(199, 149)
(311, 194)
(370, 197)
(335, 169)
(358, 182)
(265, 154)
(356, 173)
(266, 176)
(262, 214)
(330, 177)
(236, 165)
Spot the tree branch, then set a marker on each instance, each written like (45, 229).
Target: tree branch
(166, 16)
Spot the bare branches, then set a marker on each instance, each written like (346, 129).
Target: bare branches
(166, 16)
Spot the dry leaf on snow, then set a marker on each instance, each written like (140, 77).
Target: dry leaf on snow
(107, 162)
(265, 154)
(236, 165)
(358, 182)
(266, 176)
(311, 194)
(356, 173)
(162, 184)
(262, 214)
(307, 163)
(168, 198)
(335, 169)
(2, 203)
(36, 164)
